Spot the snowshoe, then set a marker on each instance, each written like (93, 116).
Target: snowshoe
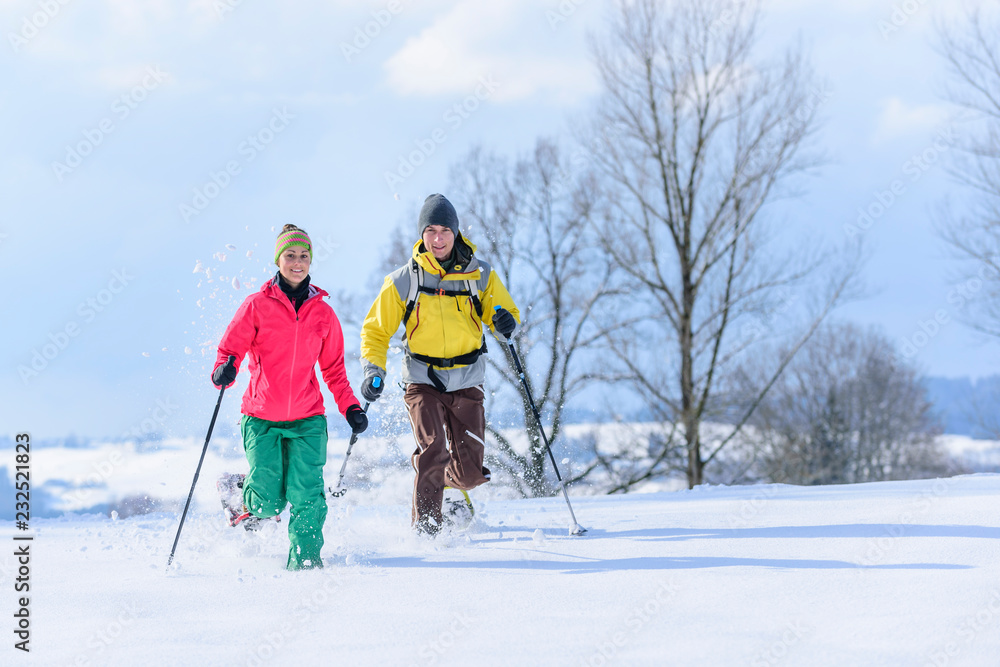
(230, 486)
(457, 511)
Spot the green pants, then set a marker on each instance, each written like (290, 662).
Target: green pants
(286, 467)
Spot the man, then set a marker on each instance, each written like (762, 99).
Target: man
(444, 296)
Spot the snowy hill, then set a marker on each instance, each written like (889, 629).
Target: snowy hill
(894, 573)
(136, 478)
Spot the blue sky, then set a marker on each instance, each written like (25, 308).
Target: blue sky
(146, 140)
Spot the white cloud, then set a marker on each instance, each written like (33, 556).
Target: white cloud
(511, 41)
(898, 119)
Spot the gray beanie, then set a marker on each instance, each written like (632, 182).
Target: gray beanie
(437, 210)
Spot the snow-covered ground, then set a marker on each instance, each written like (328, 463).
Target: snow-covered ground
(893, 573)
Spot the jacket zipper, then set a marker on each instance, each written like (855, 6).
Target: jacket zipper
(472, 310)
(291, 371)
(414, 329)
(295, 348)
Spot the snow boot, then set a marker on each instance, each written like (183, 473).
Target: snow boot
(427, 527)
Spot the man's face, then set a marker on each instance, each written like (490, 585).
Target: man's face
(439, 240)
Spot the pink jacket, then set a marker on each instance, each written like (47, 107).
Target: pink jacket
(284, 347)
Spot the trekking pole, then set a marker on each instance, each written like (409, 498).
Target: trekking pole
(576, 528)
(340, 489)
(231, 361)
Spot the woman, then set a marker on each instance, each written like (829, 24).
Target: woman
(286, 328)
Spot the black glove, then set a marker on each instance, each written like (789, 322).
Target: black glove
(372, 387)
(504, 322)
(357, 418)
(225, 374)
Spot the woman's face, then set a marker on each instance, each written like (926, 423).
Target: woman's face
(293, 264)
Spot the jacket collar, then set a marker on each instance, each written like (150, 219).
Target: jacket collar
(272, 289)
(466, 265)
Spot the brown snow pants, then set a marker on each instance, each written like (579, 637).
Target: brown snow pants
(449, 428)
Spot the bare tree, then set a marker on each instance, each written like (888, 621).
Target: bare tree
(848, 409)
(971, 49)
(693, 136)
(531, 220)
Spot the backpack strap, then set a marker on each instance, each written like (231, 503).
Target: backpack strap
(416, 286)
(472, 287)
(416, 278)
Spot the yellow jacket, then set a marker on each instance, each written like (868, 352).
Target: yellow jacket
(441, 324)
